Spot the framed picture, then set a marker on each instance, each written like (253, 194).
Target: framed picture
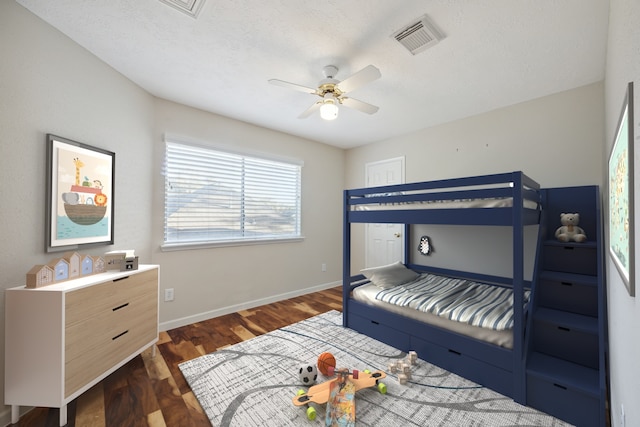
(621, 226)
(80, 191)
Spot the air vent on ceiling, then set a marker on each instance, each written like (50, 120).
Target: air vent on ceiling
(190, 7)
(418, 36)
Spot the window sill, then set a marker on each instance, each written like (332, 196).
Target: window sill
(169, 247)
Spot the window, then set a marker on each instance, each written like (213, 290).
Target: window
(219, 197)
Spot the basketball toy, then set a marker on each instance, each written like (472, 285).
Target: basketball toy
(325, 360)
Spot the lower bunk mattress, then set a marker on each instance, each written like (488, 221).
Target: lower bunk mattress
(480, 311)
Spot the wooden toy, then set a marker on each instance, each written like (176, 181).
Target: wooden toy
(402, 367)
(73, 258)
(60, 269)
(86, 265)
(72, 265)
(40, 275)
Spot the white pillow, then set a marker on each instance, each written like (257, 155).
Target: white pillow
(388, 276)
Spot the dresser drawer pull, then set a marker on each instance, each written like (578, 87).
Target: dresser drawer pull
(375, 323)
(562, 328)
(119, 335)
(567, 283)
(122, 278)
(455, 352)
(559, 386)
(120, 306)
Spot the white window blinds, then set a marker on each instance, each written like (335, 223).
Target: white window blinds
(214, 196)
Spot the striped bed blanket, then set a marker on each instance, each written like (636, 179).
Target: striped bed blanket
(465, 301)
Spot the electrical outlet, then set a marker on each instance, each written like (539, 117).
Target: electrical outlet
(168, 294)
(323, 267)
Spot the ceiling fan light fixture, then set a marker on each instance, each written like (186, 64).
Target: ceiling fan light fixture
(329, 109)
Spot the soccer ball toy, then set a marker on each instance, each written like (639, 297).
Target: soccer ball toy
(308, 374)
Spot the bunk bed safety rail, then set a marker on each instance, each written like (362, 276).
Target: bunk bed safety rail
(499, 186)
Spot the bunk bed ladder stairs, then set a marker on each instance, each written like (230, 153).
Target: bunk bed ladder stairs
(566, 340)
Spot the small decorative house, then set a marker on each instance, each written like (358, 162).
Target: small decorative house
(40, 275)
(60, 268)
(71, 266)
(98, 264)
(73, 258)
(86, 265)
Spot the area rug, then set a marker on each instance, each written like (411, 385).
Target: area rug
(252, 383)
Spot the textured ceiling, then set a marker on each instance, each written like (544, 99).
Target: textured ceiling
(495, 53)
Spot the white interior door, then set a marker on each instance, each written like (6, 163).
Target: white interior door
(384, 242)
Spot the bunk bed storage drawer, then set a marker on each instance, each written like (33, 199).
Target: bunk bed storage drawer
(380, 331)
(571, 258)
(456, 361)
(562, 401)
(566, 343)
(569, 292)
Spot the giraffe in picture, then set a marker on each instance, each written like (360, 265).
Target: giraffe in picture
(78, 164)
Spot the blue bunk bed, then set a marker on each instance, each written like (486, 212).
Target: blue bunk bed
(507, 200)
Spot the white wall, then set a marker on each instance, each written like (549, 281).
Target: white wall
(623, 66)
(48, 84)
(210, 282)
(556, 140)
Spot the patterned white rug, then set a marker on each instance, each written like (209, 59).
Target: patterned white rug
(252, 383)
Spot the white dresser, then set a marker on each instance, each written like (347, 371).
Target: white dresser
(62, 339)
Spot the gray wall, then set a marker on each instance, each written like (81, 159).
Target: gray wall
(623, 66)
(556, 140)
(215, 281)
(49, 84)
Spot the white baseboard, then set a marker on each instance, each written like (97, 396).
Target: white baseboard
(172, 324)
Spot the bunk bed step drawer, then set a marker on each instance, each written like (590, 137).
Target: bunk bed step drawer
(565, 390)
(379, 331)
(574, 293)
(561, 401)
(468, 367)
(568, 336)
(571, 258)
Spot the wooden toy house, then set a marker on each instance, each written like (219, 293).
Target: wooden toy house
(40, 275)
(73, 258)
(86, 265)
(60, 268)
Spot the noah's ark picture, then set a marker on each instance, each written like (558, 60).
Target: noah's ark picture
(81, 193)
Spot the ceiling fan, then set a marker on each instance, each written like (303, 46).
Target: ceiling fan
(333, 92)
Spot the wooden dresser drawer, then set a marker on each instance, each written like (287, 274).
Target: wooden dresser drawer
(89, 358)
(86, 302)
(121, 323)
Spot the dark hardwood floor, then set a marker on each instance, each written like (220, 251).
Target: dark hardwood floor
(152, 392)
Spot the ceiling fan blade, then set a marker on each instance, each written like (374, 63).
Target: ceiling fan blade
(358, 105)
(309, 111)
(361, 78)
(293, 86)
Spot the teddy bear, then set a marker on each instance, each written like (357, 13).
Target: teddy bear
(569, 231)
